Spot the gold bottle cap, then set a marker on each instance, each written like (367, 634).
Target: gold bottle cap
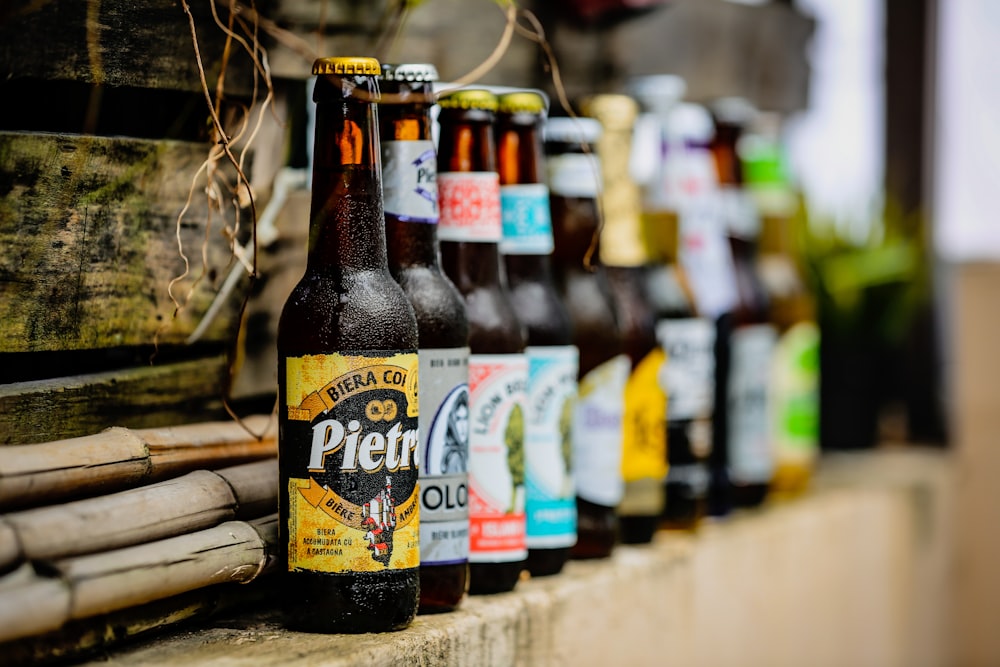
(613, 110)
(347, 65)
(469, 99)
(521, 102)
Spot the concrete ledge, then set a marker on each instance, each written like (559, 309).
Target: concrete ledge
(854, 574)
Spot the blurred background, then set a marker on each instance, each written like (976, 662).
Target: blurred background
(882, 114)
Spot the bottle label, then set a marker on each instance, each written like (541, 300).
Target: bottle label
(527, 223)
(409, 180)
(644, 438)
(597, 433)
(707, 259)
(470, 206)
(548, 455)
(350, 438)
(496, 458)
(751, 457)
(444, 455)
(574, 175)
(795, 394)
(738, 212)
(688, 376)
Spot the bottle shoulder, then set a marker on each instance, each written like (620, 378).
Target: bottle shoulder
(493, 326)
(440, 311)
(543, 314)
(346, 310)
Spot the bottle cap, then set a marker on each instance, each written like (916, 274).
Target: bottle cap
(614, 111)
(733, 110)
(521, 102)
(572, 130)
(410, 72)
(347, 65)
(692, 122)
(658, 92)
(469, 99)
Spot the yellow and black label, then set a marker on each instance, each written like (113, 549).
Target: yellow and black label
(350, 447)
(644, 430)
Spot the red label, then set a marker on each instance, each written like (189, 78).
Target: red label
(469, 206)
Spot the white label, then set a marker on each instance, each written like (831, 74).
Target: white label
(551, 499)
(738, 213)
(497, 385)
(597, 433)
(751, 456)
(688, 376)
(707, 259)
(444, 453)
(574, 175)
(409, 180)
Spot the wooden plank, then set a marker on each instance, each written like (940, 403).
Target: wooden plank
(88, 243)
(144, 44)
(145, 397)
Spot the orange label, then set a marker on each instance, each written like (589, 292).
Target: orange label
(349, 443)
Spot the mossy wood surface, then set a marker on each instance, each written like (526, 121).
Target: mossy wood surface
(88, 243)
(145, 44)
(142, 397)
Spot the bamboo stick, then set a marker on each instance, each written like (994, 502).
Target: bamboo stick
(86, 586)
(10, 550)
(79, 639)
(185, 504)
(32, 605)
(119, 458)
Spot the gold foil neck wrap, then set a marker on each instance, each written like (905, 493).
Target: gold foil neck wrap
(622, 238)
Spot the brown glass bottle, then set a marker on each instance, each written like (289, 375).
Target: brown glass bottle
(574, 184)
(624, 253)
(409, 175)
(526, 247)
(347, 340)
(746, 339)
(469, 231)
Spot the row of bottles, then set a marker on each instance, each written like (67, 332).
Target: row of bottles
(523, 362)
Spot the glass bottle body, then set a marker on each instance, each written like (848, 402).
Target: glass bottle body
(470, 257)
(345, 314)
(552, 359)
(411, 216)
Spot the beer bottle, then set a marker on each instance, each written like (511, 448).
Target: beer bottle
(347, 378)
(746, 338)
(470, 230)
(575, 183)
(623, 252)
(552, 359)
(409, 170)
(687, 339)
(794, 390)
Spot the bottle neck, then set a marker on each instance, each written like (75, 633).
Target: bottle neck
(519, 149)
(466, 145)
(574, 227)
(346, 228)
(727, 162)
(410, 176)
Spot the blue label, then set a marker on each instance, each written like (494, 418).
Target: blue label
(527, 223)
(550, 500)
